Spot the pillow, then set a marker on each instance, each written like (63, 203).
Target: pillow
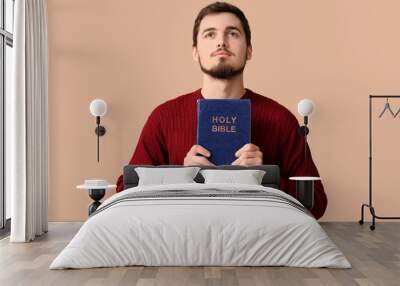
(248, 177)
(162, 176)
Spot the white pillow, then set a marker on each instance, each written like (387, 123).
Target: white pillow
(162, 176)
(248, 177)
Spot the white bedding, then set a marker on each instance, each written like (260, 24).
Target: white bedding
(189, 230)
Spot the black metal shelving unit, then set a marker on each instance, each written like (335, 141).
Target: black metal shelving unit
(370, 205)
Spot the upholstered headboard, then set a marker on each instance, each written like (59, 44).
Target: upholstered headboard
(270, 179)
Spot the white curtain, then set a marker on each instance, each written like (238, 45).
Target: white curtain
(27, 124)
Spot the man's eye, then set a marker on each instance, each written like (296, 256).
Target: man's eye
(234, 34)
(209, 35)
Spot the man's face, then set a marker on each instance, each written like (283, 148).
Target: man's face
(222, 49)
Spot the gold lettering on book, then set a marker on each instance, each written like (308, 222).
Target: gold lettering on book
(223, 128)
(223, 119)
(223, 124)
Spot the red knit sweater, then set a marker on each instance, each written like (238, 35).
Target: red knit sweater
(170, 131)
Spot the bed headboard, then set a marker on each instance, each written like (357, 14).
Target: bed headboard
(270, 179)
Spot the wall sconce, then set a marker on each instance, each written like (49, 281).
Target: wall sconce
(98, 108)
(305, 107)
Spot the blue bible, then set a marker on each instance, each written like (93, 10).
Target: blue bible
(223, 127)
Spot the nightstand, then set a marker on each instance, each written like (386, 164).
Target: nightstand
(305, 190)
(97, 190)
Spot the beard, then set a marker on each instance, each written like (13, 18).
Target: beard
(223, 70)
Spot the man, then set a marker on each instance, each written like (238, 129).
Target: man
(222, 46)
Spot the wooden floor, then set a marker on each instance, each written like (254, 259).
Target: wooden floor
(375, 256)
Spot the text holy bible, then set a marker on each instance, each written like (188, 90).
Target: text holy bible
(223, 127)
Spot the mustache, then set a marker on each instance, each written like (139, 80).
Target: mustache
(222, 50)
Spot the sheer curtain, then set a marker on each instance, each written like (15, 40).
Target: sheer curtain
(27, 123)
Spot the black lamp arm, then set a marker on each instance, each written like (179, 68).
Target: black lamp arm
(100, 131)
(305, 120)
(303, 131)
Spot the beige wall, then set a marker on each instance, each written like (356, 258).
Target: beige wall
(137, 54)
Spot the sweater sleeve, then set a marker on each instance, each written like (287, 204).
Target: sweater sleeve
(151, 148)
(292, 163)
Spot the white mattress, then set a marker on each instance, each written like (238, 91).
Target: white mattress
(183, 231)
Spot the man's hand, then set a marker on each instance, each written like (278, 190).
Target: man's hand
(197, 156)
(248, 155)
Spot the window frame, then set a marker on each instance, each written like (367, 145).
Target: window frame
(6, 39)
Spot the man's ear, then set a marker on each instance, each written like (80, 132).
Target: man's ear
(195, 54)
(249, 52)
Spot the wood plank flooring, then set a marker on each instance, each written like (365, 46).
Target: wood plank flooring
(374, 255)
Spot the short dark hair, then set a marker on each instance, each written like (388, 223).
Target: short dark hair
(221, 7)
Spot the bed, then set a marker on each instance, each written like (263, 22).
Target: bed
(201, 224)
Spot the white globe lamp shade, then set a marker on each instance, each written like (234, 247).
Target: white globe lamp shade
(305, 107)
(98, 107)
